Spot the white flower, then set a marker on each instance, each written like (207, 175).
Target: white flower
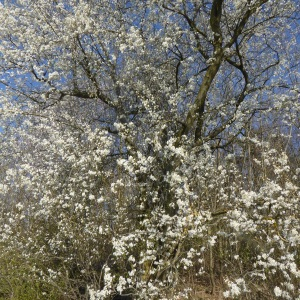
(210, 61)
(277, 291)
(53, 76)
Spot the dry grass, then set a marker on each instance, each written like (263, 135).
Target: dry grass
(203, 293)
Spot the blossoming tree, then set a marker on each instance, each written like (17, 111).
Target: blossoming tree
(149, 148)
